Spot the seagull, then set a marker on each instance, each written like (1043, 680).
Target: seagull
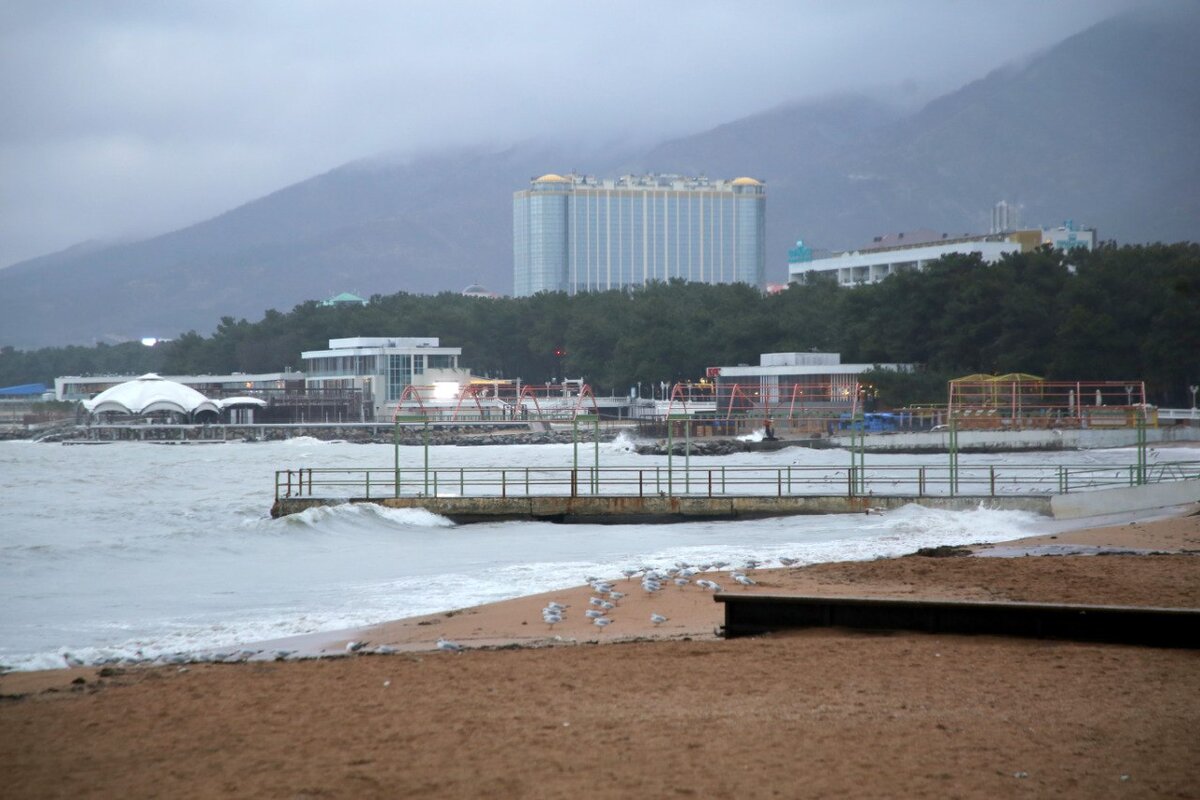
(449, 646)
(551, 619)
(616, 596)
(602, 622)
(787, 562)
(657, 619)
(681, 582)
(592, 613)
(744, 581)
(602, 587)
(556, 607)
(354, 647)
(607, 606)
(595, 602)
(629, 573)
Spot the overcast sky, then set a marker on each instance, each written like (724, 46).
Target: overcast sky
(128, 119)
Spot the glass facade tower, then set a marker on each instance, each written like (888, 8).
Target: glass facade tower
(576, 233)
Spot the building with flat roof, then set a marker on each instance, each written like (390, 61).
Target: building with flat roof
(914, 250)
(577, 233)
(784, 379)
(383, 367)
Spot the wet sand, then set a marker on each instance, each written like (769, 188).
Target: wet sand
(576, 711)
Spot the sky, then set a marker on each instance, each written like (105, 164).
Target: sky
(128, 119)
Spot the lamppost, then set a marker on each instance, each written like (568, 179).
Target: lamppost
(1193, 390)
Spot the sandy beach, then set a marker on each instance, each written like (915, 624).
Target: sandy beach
(530, 710)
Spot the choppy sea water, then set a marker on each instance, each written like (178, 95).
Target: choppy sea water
(142, 550)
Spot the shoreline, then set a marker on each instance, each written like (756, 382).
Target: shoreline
(692, 613)
(816, 713)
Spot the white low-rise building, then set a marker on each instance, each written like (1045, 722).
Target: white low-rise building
(383, 367)
(914, 250)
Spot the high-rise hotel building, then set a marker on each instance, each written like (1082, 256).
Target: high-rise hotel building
(577, 233)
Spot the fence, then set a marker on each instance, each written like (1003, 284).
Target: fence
(856, 481)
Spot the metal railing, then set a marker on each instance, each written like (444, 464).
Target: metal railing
(783, 481)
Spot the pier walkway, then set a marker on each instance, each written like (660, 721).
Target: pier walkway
(663, 494)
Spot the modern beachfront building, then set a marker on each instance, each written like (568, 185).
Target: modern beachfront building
(383, 367)
(914, 250)
(576, 233)
(787, 379)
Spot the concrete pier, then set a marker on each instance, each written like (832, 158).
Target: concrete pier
(651, 509)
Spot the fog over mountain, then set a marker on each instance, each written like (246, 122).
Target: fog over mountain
(1099, 128)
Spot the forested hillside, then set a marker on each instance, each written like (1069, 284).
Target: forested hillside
(1114, 314)
(1100, 128)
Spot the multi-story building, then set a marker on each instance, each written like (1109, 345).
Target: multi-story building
(914, 250)
(382, 367)
(577, 233)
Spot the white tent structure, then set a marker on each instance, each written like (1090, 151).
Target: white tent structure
(148, 394)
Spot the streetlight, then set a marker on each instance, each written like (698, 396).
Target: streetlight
(1193, 390)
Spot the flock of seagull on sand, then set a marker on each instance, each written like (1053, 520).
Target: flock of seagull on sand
(606, 599)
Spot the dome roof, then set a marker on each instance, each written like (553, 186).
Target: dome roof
(147, 394)
(550, 177)
(746, 182)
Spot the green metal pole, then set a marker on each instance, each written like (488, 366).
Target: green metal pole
(596, 471)
(670, 457)
(953, 457)
(1141, 446)
(396, 453)
(687, 456)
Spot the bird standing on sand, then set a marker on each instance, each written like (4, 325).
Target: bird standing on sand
(593, 614)
(744, 581)
(449, 646)
(602, 622)
(657, 619)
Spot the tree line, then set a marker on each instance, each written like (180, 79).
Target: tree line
(1115, 313)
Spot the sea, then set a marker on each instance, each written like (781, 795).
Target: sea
(146, 551)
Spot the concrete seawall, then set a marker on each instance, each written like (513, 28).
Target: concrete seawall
(641, 510)
(997, 441)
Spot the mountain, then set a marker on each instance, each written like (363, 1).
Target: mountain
(1100, 128)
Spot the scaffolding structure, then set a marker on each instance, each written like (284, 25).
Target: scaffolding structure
(1018, 401)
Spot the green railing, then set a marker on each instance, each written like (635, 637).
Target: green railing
(708, 481)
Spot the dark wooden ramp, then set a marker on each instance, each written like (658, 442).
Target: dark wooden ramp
(751, 614)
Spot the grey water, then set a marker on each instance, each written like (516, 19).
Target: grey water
(141, 550)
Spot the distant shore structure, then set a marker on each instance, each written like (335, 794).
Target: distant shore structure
(914, 250)
(479, 290)
(344, 299)
(578, 233)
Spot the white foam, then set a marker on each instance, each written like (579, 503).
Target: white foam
(367, 513)
(305, 441)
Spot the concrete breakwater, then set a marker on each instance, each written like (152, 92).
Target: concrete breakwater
(465, 435)
(656, 508)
